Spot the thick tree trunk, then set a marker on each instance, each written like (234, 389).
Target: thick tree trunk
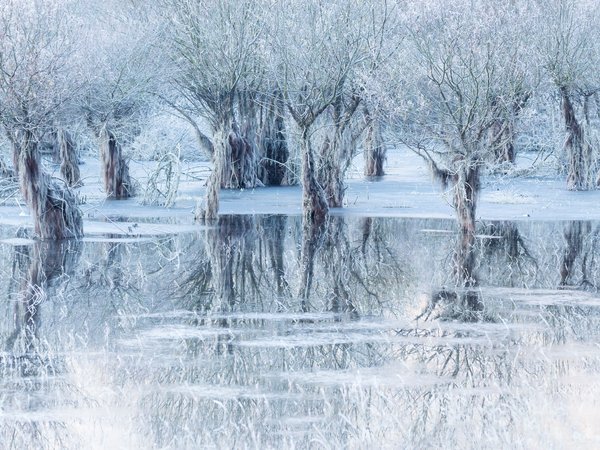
(209, 209)
(466, 190)
(274, 229)
(579, 152)
(273, 143)
(375, 149)
(235, 148)
(233, 167)
(575, 249)
(69, 162)
(235, 157)
(53, 207)
(115, 168)
(336, 153)
(331, 170)
(314, 204)
(502, 137)
(229, 170)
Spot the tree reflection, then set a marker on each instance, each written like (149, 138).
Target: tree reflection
(210, 344)
(578, 257)
(39, 272)
(506, 254)
(263, 280)
(462, 302)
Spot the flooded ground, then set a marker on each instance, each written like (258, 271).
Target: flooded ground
(250, 334)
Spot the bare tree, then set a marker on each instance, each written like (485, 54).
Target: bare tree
(571, 58)
(119, 79)
(312, 60)
(34, 84)
(215, 49)
(374, 146)
(465, 82)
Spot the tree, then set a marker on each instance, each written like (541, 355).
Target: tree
(69, 168)
(34, 85)
(374, 145)
(467, 78)
(215, 49)
(571, 58)
(119, 78)
(312, 59)
(322, 68)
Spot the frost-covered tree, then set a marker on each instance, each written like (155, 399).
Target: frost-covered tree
(216, 51)
(35, 83)
(571, 57)
(323, 55)
(463, 74)
(312, 58)
(118, 77)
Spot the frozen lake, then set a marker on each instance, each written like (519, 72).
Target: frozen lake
(224, 337)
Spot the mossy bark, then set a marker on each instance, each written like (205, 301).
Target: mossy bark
(577, 148)
(69, 162)
(374, 149)
(53, 207)
(115, 168)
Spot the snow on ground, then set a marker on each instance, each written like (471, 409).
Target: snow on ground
(407, 190)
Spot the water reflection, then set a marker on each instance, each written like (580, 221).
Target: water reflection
(258, 332)
(30, 370)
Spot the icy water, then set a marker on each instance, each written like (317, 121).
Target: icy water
(253, 335)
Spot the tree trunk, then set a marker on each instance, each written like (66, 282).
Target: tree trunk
(502, 137)
(375, 150)
(502, 132)
(314, 203)
(466, 190)
(69, 163)
(209, 209)
(249, 161)
(273, 143)
(336, 153)
(235, 152)
(115, 168)
(53, 207)
(330, 173)
(575, 235)
(579, 152)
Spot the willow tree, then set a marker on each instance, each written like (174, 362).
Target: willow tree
(469, 69)
(374, 147)
(311, 66)
(34, 84)
(119, 79)
(571, 59)
(369, 36)
(218, 73)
